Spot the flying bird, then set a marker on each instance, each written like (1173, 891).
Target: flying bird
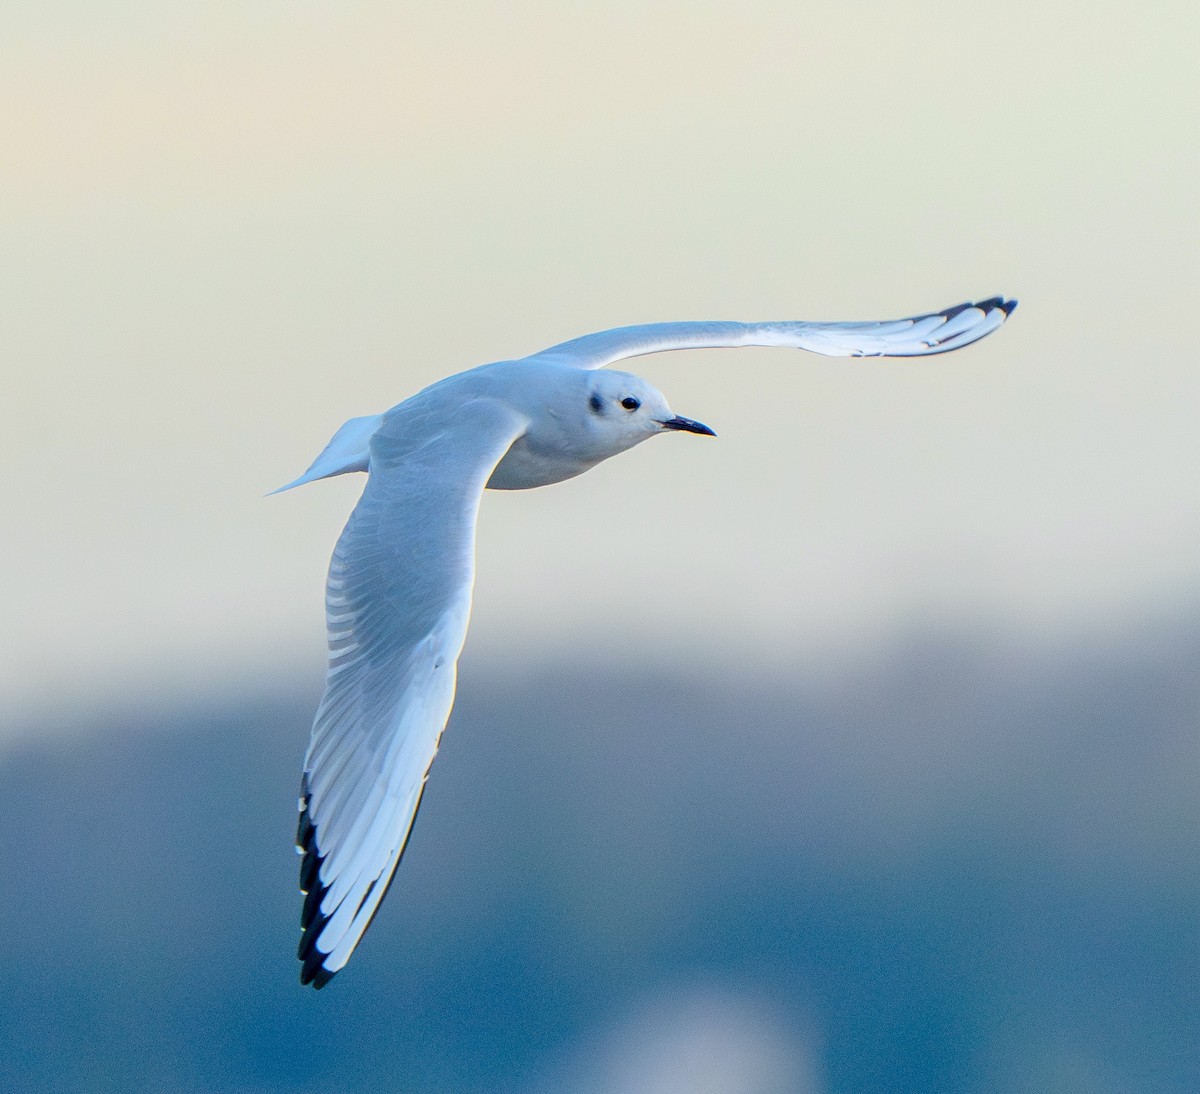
(398, 595)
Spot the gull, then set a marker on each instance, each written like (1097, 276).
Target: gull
(398, 595)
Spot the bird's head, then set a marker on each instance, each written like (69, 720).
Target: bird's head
(625, 410)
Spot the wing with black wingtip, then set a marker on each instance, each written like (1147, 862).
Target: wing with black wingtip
(916, 336)
(398, 600)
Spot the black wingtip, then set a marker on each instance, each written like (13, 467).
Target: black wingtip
(316, 974)
(311, 919)
(950, 313)
(1003, 303)
(321, 977)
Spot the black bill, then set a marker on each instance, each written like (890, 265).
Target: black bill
(686, 425)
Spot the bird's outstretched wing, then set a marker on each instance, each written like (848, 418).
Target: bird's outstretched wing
(397, 602)
(917, 336)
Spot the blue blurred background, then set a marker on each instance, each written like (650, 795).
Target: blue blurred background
(855, 751)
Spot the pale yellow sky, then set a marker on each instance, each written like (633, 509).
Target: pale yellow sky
(226, 228)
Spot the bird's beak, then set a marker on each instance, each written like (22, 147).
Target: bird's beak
(686, 425)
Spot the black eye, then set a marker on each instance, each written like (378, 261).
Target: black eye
(630, 403)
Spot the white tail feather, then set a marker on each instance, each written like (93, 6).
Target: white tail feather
(349, 450)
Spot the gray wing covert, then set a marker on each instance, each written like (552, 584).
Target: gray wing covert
(398, 598)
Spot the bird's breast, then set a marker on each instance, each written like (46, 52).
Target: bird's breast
(527, 464)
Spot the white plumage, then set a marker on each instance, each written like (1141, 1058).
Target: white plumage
(398, 596)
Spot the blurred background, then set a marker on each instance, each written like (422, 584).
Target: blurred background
(853, 751)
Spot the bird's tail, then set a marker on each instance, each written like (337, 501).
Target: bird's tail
(349, 450)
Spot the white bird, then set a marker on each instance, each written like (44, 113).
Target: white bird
(398, 595)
